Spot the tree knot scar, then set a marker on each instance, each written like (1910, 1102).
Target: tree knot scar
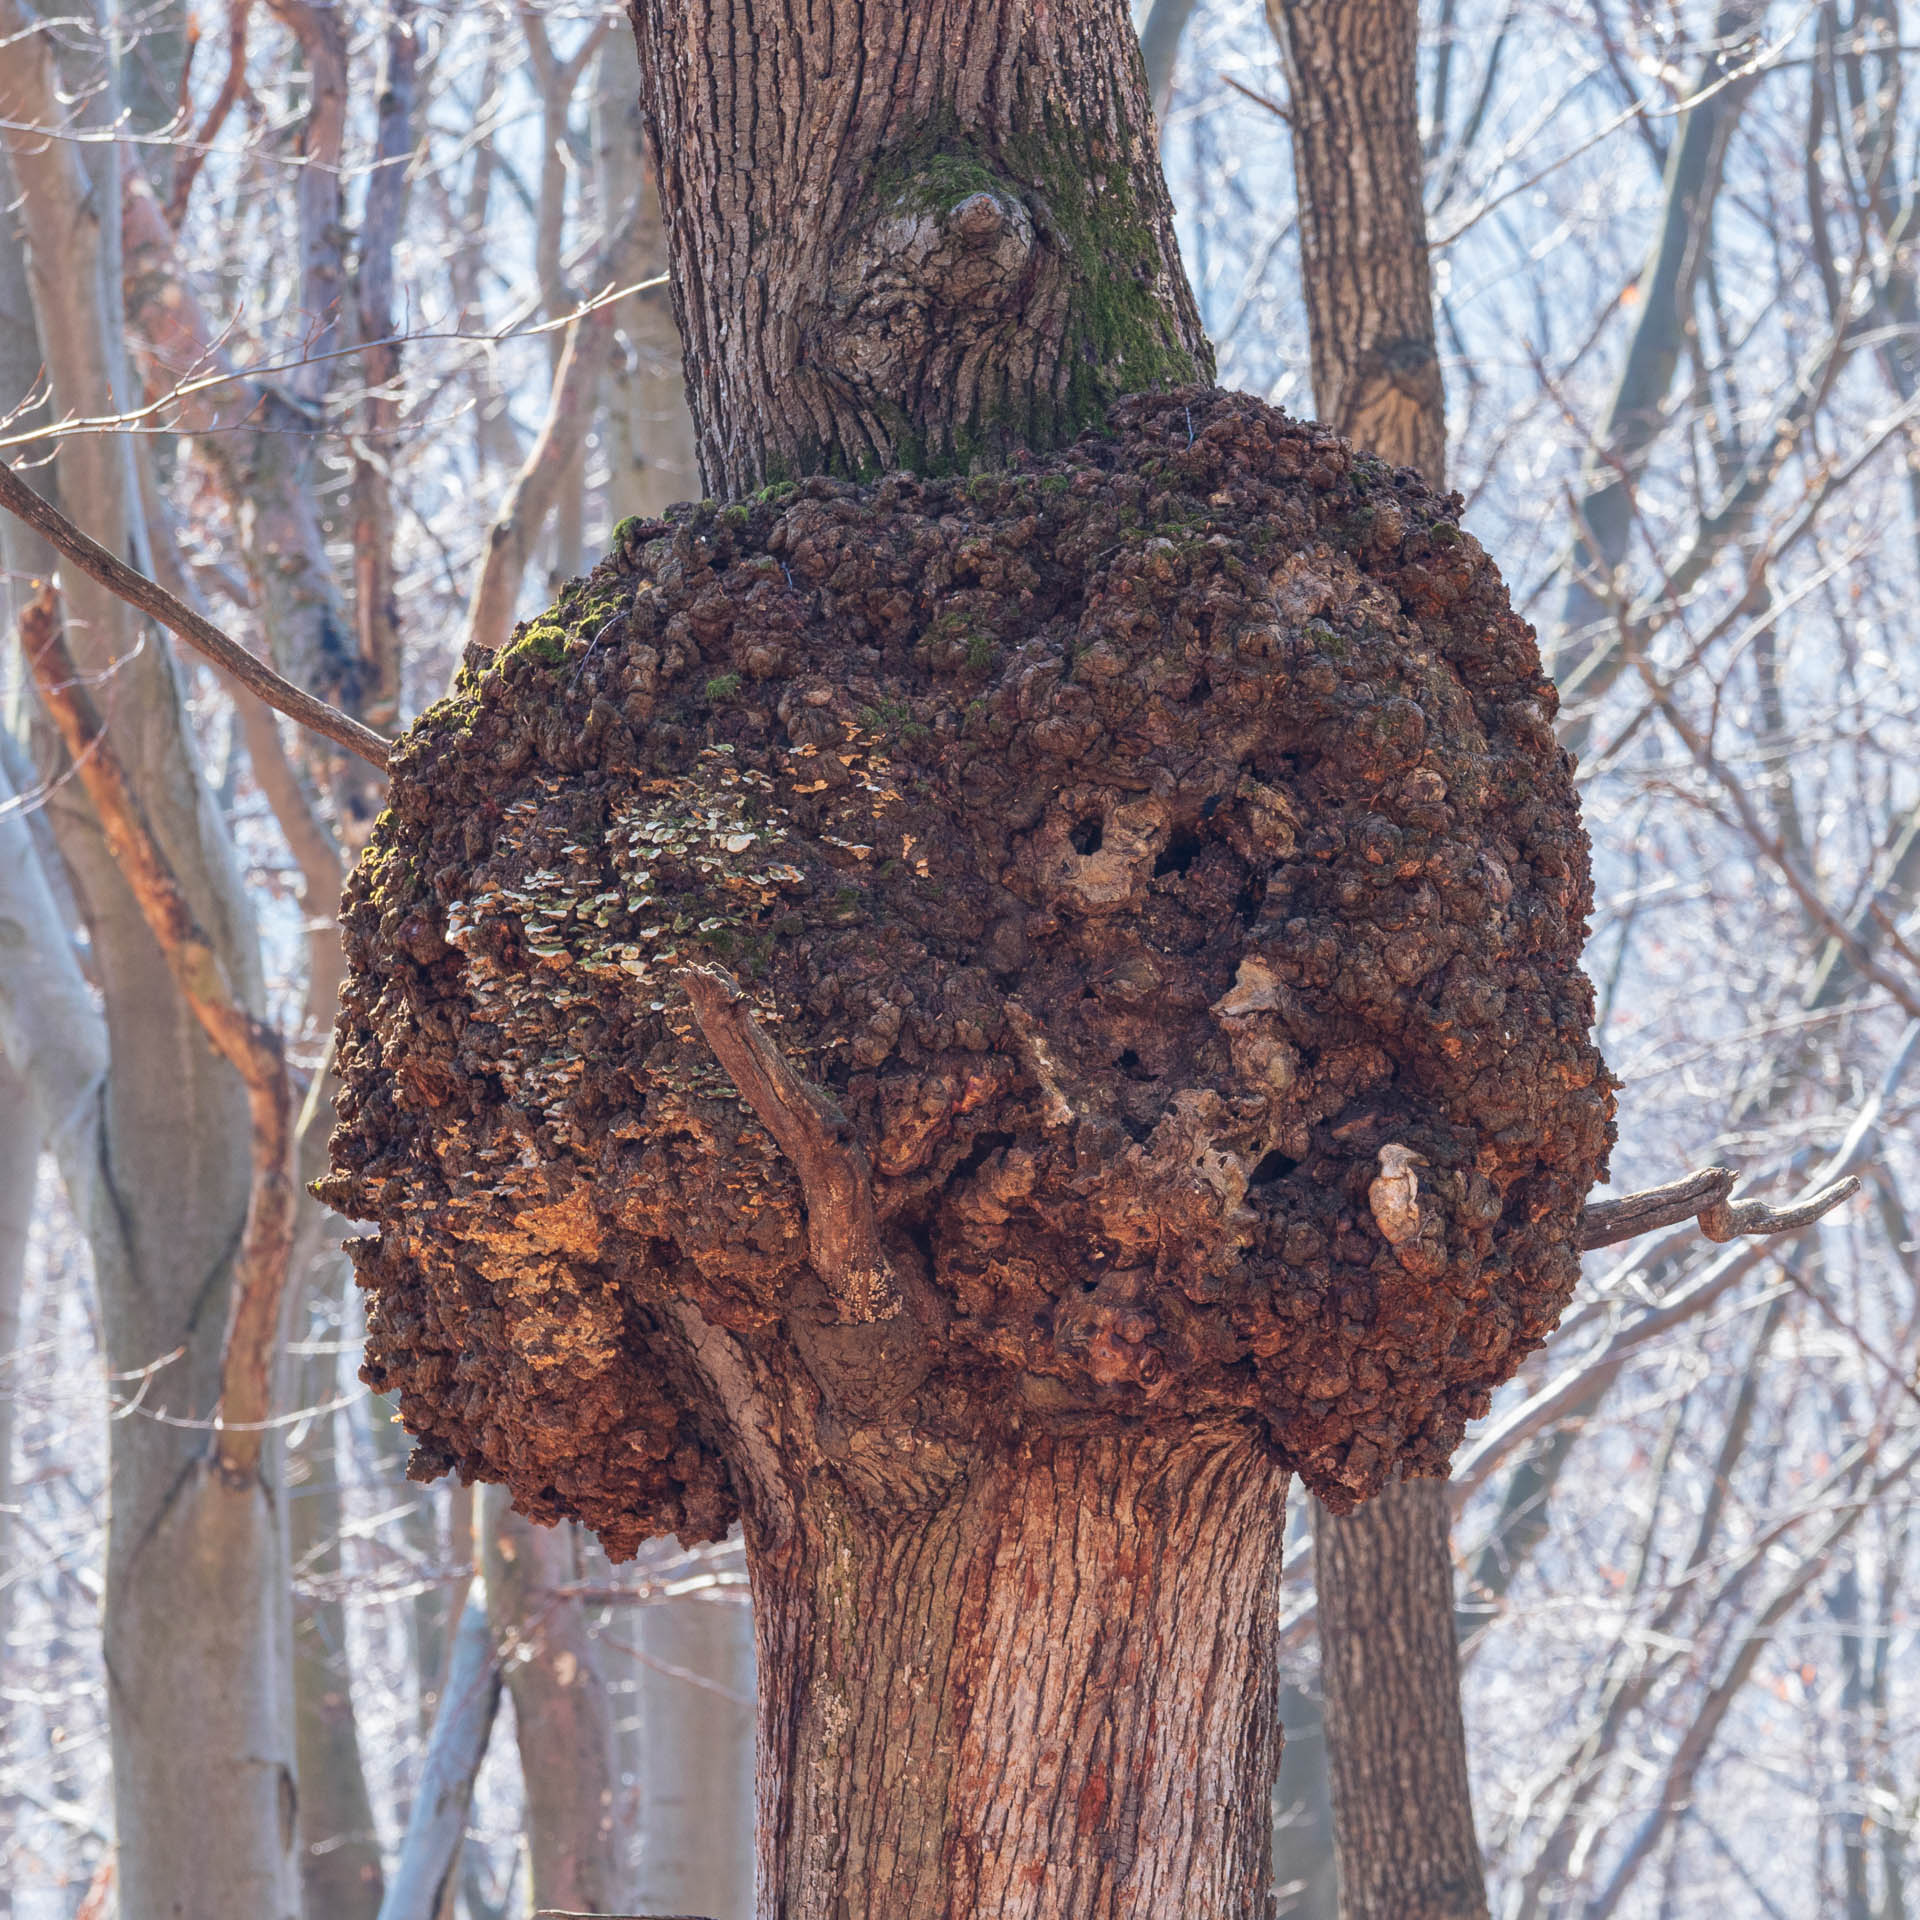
(1394, 1195)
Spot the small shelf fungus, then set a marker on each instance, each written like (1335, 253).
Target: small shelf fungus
(1137, 904)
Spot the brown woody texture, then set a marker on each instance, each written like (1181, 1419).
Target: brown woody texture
(1131, 843)
(881, 1012)
(905, 236)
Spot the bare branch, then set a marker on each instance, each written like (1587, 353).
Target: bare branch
(193, 153)
(843, 1238)
(1704, 1196)
(1583, 1383)
(202, 635)
(438, 1823)
(244, 1041)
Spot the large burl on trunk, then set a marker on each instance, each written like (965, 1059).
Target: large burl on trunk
(975, 1023)
(1117, 856)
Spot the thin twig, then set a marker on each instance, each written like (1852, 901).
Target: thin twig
(1704, 1196)
(843, 1238)
(201, 634)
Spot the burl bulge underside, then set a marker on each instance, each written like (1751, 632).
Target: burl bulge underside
(1125, 848)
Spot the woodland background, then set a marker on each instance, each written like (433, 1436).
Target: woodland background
(369, 371)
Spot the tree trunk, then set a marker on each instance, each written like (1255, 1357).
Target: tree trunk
(1352, 75)
(561, 1711)
(1587, 655)
(196, 1617)
(1396, 1742)
(909, 236)
(651, 461)
(694, 1755)
(1390, 1664)
(1015, 1602)
(339, 1843)
(1049, 1696)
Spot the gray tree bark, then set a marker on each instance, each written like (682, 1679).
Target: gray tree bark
(196, 1620)
(423, 1877)
(1395, 1735)
(694, 1688)
(340, 1871)
(561, 1709)
(651, 461)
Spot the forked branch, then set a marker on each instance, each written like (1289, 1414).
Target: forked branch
(179, 619)
(1704, 1196)
(246, 1042)
(843, 1237)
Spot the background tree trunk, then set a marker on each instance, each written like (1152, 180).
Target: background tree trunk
(196, 1619)
(906, 236)
(957, 243)
(689, 1680)
(651, 461)
(1353, 73)
(339, 1843)
(562, 1713)
(693, 1688)
(1389, 1660)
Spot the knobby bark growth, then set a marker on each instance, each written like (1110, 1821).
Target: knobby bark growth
(1126, 847)
(976, 1023)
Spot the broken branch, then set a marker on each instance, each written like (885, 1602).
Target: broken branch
(1704, 1196)
(843, 1237)
(244, 1041)
(179, 619)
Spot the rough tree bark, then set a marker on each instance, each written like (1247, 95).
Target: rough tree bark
(1396, 1744)
(956, 1246)
(904, 235)
(1078, 1653)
